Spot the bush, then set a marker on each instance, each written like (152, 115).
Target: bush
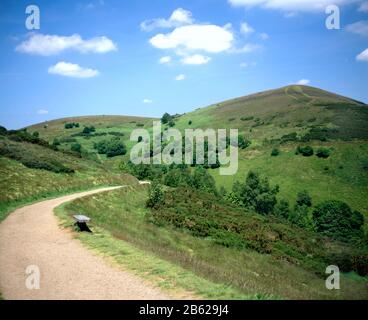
(323, 153)
(190, 122)
(291, 137)
(76, 147)
(305, 151)
(246, 118)
(88, 130)
(282, 209)
(336, 220)
(243, 143)
(156, 196)
(71, 125)
(255, 194)
(204, 181)
(111, 148)
(275, 152)
(304, 199)
(3, 131)
(166, 118)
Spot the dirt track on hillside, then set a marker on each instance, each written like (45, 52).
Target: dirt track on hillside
(31, 236)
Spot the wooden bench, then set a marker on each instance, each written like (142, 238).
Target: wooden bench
(81, 222)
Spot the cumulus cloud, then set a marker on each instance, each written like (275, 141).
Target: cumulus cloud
(246, 29)
(180, 77)
(209, 38)
(165, 60)
(363, 56)
(360, 27)
(42, 111)
(147, 101)
(291, 5)
(363, 7)
(303, 82)
(196, 59)
(72, 70)
(178, 18)
(47, 45)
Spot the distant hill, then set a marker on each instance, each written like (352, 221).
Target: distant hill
(275, 113)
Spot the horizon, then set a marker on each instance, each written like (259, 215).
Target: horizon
(143, 59)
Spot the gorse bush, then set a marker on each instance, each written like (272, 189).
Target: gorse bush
(156, 196)
(71, 125)
(275, 152)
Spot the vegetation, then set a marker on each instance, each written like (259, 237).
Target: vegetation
(111, 148)
(71, 125)
(305, 151)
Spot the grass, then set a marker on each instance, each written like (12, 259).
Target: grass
(180, 283)
(120, 220)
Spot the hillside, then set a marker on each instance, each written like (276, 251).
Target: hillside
(270, 115)
(32, 171)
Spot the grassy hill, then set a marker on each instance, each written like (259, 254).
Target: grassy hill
(32, 171)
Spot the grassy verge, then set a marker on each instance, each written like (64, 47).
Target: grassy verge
(176, 280)
(174, 258)
(7, 207)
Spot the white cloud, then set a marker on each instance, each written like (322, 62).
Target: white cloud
(196, 59)
(72, 70)
(42, 112)
(363, 56)
(246, 29)
(363, 7)
(303, 82)
(165, 60)
(94, 5)
(360, 27)
(264, 36)
(291, 5)
(209, 38)
(179, 17)
(147, 101)
(47, 45)
(180, 77)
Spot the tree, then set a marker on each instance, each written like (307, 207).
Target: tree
(156, 196)
(204, 181)
(166, 118)
(76, 147)
(337, 220)
(256, 193)
(305, 151)
(323, 153)
(275, 152)
(111, 148)
(3, 130)
(304, 198)
(243, 143)
(282, 209)
(36, 134)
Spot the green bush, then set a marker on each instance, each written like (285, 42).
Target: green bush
(76, 147)
(156, 196)
(305, 151)
(275, 152)
(166, 118)
(89, 130)
(323, 153)
(304, 199)
(71, 125)
(336, 220)
(282, 209)
(111, 148)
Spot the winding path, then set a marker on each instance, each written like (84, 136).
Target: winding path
(31, 236)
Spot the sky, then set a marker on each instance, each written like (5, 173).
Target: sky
(145, 58)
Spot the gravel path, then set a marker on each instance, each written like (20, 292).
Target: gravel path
(31, 236)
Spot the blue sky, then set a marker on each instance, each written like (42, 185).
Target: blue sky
(149, 57)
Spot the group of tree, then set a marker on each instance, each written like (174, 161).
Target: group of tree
(332, 218)
(111, 148)
(71, 125)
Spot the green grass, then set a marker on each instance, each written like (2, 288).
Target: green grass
(179, 282)
(120, 220)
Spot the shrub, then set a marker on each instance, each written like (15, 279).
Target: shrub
(111, 148)
(275, 152)
(166, 118)
(291, 137)
(89, 130)
(256, 194)
(3, 131)
(365, 164)
(246, 118)
(282, 209)
(323, 153)
(71, 125)
(156, 196)
(190, 122)
(305, 151)
(304, 199)
(76, 147)
(243, 143)
(204, 181)
(336, 220)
